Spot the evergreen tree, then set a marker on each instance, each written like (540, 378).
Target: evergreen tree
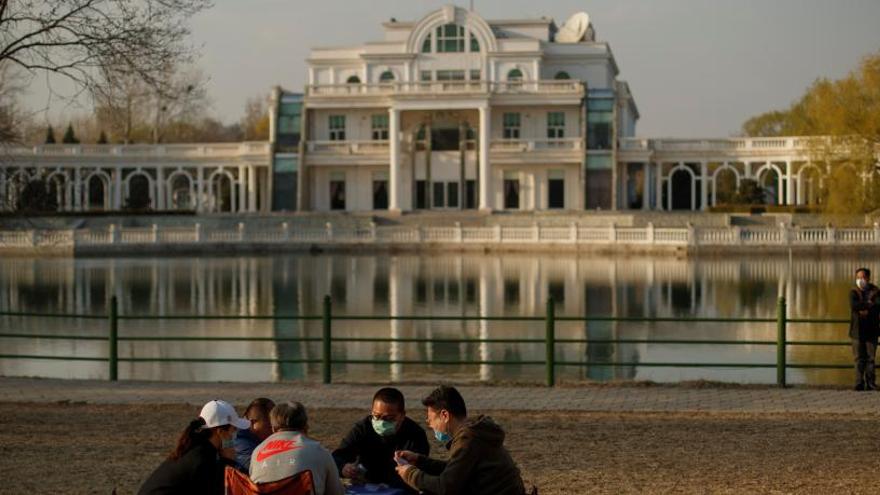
(102, 139)
(69, 136)
(50, 135)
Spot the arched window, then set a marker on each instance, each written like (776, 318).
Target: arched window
(353, 80)
(562, 76)
(386, 76)
(475, 44)
(426, 45)
(515, 75)
(450, 38)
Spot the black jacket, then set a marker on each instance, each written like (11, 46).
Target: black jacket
(376, 453)
(864, 327)
(199, 472)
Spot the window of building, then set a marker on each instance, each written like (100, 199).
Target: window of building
(337, 191)
(515, 75)
(353, 80)
(380, 127)
(289, 122)
(470, 194)
(386, 76)
(450, 38)
(438, 195)
(476, 75)
(511, 125)
(452, 194)
(450, 75)
(600, 119)
(425, 76)
(380, 191)
(562, 76)
(426, 45)
(556, 189)
(555, 125)
(337, 127)
(475, 44)
(421, 195)
(511, 191)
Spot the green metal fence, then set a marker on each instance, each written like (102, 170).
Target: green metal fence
(550, 341)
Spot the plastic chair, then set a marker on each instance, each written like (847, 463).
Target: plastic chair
(238, 483)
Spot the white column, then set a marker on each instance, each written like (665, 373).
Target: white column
(486, 199)
(3, 205)
(789, 181)
(200, 179)
(117, 189)
(159, 199)
(800, 189)
(77, 188)
(747, 170)
(646, 185)
(658, 200)
(780, 180)
(252, 188)
(394, 162)
(242, 190)
(704, 185)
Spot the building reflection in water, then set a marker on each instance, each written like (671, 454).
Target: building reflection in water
(425, 285)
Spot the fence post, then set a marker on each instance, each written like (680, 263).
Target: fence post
(113, 355)
(551, 342)
(326, 340)
(780, 343)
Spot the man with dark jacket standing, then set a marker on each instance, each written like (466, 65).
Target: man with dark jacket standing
(367, 452)
(478, 462)
(864, 328)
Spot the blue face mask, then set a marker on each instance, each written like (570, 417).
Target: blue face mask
(442, 437)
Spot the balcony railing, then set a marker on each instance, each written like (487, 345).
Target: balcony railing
(347, 147)
(522, 145)
(146, 150)
(447, 87)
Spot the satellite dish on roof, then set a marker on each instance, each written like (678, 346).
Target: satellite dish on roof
(574, 29)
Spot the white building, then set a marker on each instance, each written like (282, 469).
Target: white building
(452, 111)
(458, 112)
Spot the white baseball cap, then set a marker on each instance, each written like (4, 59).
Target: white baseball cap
(220, 413)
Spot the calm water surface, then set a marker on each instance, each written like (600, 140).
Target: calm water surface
(427, 284)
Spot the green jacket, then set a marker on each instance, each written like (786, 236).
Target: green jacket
(478, 464)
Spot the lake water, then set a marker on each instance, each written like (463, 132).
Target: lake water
(427, 284)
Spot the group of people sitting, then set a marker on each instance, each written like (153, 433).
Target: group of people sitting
(271, 443)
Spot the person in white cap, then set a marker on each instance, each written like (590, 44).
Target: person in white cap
(204, 449)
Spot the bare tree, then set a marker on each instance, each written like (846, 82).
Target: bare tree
(78, 38)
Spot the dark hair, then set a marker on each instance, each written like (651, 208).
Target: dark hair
(448, 398)
(867, 272)
(290, 416)
(192, 435)
(390, 395)
(261, 404)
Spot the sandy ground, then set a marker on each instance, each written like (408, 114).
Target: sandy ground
(79, 448)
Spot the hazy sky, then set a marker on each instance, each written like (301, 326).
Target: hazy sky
(697, 68)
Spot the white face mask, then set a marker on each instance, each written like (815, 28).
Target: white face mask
(862, 283)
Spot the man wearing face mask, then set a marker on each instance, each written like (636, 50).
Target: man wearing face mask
(367, 451)
(478, 462)
(864, 327)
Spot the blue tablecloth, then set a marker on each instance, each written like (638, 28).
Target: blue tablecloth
(372, 490)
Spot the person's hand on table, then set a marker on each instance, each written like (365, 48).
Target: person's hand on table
(350, 470)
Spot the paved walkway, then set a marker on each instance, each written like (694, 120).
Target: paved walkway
(596, 399)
